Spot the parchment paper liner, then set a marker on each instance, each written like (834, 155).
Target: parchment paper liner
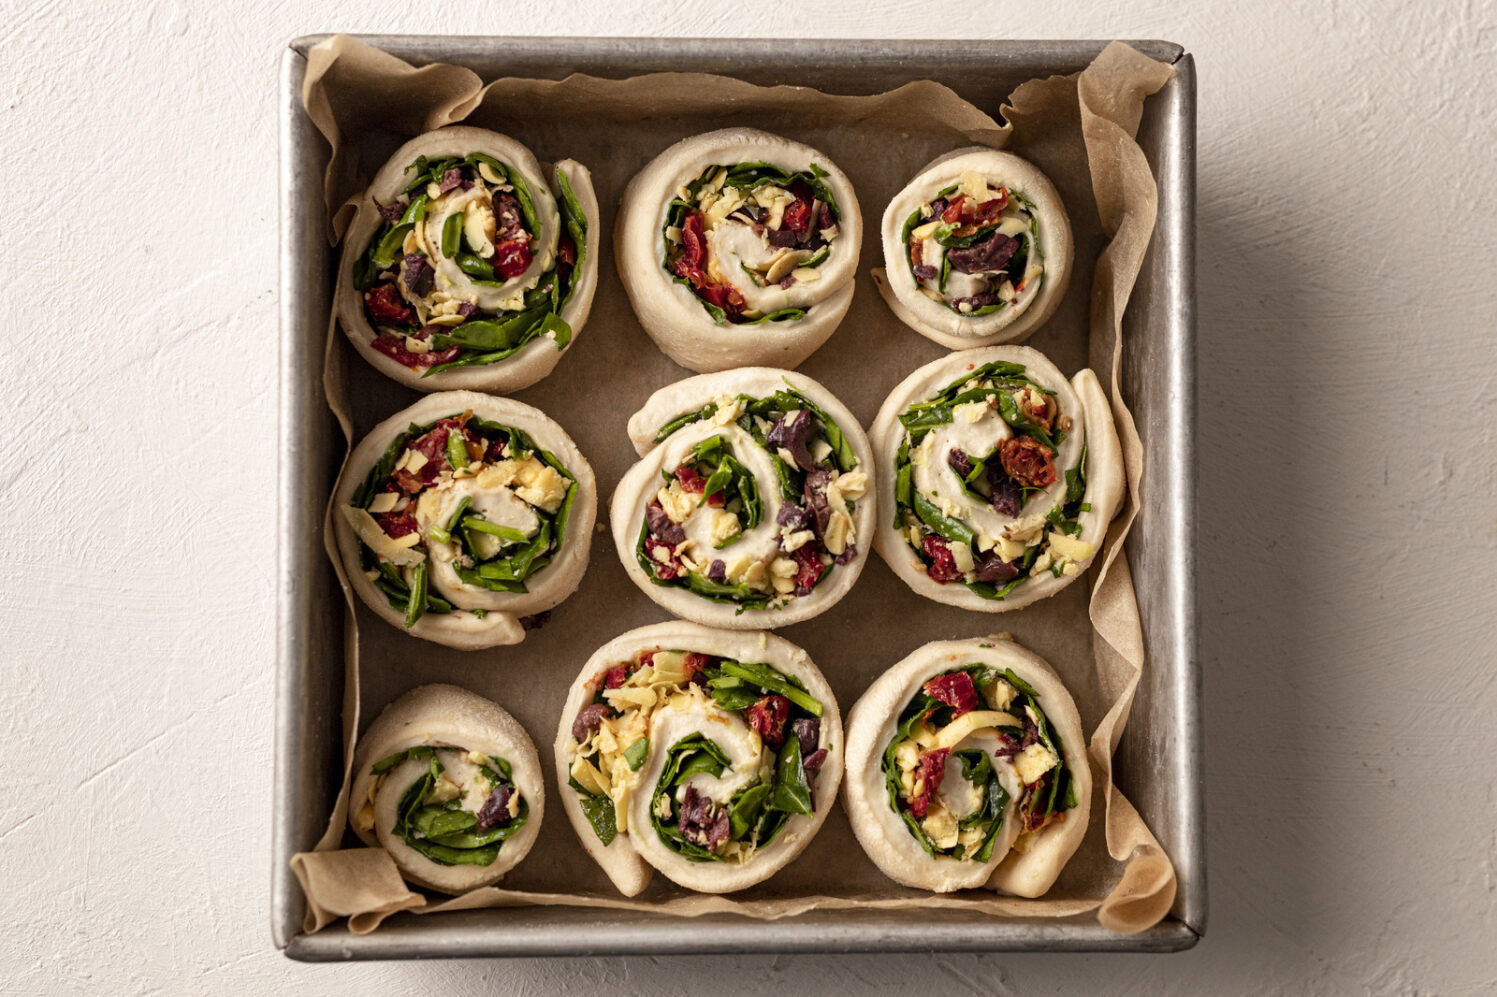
(1080, 129)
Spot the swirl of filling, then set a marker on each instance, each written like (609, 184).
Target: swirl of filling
(450, 785)
(1002, 475)
(464, 517)
(738, 247)
(463, 268)
(967, 768)
(750, 506)
(977, 250)
(709, 755)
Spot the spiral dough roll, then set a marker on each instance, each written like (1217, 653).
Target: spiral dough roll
(1002, 477)
(467, 265)
(710, 755)
(966, 767)
(463, 515)
(977, 250)
(751, 503)
(450, 785)
(738, 248)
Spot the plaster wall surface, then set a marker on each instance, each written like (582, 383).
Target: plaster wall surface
(1348, 385)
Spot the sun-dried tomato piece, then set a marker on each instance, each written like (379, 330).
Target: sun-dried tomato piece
(724, 297)
(969, 216)
(695, 663)
(1008, 746)
(692, 255)
(955, 690)
(394, 347)
(809, 569)
(1028, 461)
(1038, 407)
(928, 776)
(433, 446)
(566, 251)
(952, 213)
(690, 261)
(690, 480)
(386, 307)
(662, 560)
(942, 568)
(768, 717)
(619, 674)
(511, 257)
(397, 524)
(797, 217)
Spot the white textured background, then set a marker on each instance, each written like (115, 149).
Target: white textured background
(1349, 426)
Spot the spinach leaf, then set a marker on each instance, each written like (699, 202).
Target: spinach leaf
(791, 794)
(488, 335)
(1076, 479)
(575, 220)
(431, 821)
(721, 591)
(389, 247)
(390, 761)
(444, 855)
(944, 235)
(522, 189)
(746, 808)
(733, 693)
(1020, 684)
(599, 813)
(452, 235)
(416, 604)
(772, 680)
(507, 533)
(707, 411)
(949, 529)
(636, 753)
(781, 315)
(481, 838)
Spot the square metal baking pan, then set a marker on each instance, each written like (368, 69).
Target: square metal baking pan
(1160, 756)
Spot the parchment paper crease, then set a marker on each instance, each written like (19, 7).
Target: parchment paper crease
(1080, 129)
